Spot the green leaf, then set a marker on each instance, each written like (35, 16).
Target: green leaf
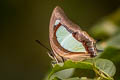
(113, 54)
(84, 73)
(63, 74)
(70, 64)
(106, 66)
(75, 78)
(56, 78)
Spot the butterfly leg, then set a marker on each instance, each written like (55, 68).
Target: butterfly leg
(54, 57)
(53, 62)
(63, 60)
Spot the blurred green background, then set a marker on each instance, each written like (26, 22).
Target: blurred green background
(24, 21)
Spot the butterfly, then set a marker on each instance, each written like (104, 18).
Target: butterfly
(67, 40)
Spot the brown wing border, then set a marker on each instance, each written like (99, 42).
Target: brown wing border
(58, 13)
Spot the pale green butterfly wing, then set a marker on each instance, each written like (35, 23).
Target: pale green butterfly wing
(67, 41)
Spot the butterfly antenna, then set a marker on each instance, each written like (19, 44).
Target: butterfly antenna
(38, 41)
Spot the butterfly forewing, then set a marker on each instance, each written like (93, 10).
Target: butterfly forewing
(67, 40)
